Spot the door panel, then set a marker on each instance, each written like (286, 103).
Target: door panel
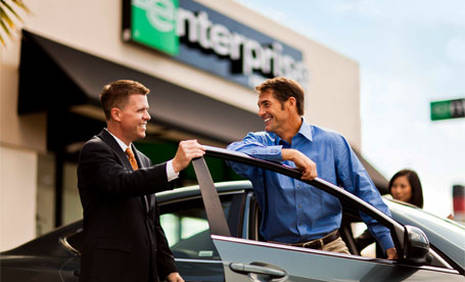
(245, 260)
(300, 264)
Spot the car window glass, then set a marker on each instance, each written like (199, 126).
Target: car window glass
(187, 230)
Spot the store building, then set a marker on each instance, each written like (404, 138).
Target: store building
(201, 60)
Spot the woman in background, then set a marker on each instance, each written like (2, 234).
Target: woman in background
(406, 186)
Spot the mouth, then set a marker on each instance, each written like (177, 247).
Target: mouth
(143, 126)
(267, 120)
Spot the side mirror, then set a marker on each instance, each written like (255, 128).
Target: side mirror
(416, 246)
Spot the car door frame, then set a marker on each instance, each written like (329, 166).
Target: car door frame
(220, 233)
(219, 225)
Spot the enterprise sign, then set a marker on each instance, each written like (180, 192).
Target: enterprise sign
(208, 40)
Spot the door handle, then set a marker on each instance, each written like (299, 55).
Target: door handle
(257, 268)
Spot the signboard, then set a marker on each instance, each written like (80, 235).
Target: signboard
(201, 37)
(447, 109)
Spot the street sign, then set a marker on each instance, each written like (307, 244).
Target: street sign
(448, 109)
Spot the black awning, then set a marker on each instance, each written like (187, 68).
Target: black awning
(54, 75)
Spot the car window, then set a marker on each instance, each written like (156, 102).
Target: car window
(186, 227)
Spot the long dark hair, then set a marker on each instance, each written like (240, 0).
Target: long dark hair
(414, 181)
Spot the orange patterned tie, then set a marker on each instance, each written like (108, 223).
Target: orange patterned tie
(134, 165)
(132, 159)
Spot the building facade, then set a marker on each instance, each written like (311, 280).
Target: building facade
(201, 60)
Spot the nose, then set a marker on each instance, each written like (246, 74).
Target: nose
(261, 112)
(147, 116)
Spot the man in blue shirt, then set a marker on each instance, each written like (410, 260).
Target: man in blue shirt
(294, 212)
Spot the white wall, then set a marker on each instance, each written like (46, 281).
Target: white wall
(18, 174)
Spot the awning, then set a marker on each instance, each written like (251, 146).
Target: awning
(55, 75)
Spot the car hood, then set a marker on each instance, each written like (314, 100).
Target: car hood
(446, 235)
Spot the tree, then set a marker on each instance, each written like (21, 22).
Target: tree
(7, 16)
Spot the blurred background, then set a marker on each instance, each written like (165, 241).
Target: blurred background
(371, 70)
(410, 53)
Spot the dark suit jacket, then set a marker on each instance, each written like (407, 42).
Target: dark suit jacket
(122, 241)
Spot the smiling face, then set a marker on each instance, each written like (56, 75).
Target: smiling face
(274, 114)
(133, 118)
(401, 189)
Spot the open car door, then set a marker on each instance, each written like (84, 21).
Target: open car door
(245, 259)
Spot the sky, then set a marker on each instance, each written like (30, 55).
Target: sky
(410, 52)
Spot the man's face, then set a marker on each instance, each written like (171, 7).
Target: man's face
(134, 117)
(274, 114)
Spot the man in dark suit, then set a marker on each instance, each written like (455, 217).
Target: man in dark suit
(123, 239)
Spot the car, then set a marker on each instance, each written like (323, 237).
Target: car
(213, 231)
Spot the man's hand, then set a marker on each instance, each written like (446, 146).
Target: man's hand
(301, 161)
(174, 277)
(187, 150)
(391, 253)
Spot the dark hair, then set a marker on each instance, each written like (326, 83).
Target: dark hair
(116, 94)
(414, 181)
(284, 88)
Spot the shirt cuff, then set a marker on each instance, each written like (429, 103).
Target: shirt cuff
(170, 173)
(386, 242)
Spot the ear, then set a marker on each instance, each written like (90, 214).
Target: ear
(292, 102)
(115, 114)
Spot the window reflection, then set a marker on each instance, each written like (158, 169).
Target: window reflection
(187, 230)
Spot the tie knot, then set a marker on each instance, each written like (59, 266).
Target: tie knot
(132, 159)
(129, 152)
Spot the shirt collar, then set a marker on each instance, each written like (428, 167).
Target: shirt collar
(120, 143)
(306, 130)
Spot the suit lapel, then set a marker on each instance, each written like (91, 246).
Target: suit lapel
(110, 141)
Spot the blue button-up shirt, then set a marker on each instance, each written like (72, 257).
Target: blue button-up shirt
(293, 211)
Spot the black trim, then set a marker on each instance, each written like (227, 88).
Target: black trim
(126, 18)
(213, 207)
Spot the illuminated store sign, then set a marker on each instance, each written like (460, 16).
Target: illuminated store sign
(204, 38)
